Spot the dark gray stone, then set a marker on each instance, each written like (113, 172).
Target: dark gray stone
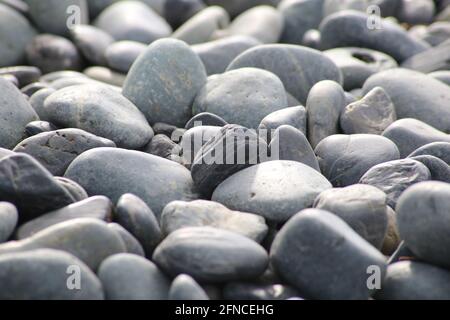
(135, 216)
(200, 213)
(129, 277)
(236, 7)
(74, 189)
(344, 159)
(324, 105)
(184, 287)
(275, 190)
(24, 74)
(178, 12)
(387, 7)
(299, 68)
(44, 275)
(416, 11)
(36, 127)
(439, 170)
(440, 150)
(394, 177)
(372, 114)
(243, 96)
(362, 207)
(97, 6)
(164, 128)
(162, 146)
(92, 42)
(205, 119)
(310, 246)
(97, 207)
(121, 55)
(249, 291)
(8, 220)
(210, 255)
(164, 81)
(132, 245)
(292, 116)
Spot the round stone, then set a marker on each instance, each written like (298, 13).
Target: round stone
(92, 42)
(121, 55)
(292, 116)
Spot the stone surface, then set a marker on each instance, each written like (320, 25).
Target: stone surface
(121, 55)
(416, 11)
(434, 59)
(74, 189)
(24, 74)
(177, 12)
(162, 146)
(439, 170)
(8, 220)
(194, 139)
(205, 119)
(185, 287)
(92, 42)
(35, 127)
(250, 291)
(293, 116)
(132, 245)
(440, 150)
(392, 240)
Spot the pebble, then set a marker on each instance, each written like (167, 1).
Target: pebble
(178, 12)
(243, 96)
(42, 275)
(443, 76)
(90, 240)
(132, 245)
(56, 75)
(25, 75)
(308, 248)
(295, 116)
(205, 119)
(8, 220)
(439, 170)
(99, 110)
(34, 87)
(121, 55)
(372, 114)
(433, 59)
(416, 11)
(392, 240)
(324, 105)
(194, 139)
(15, 114)
(136, 217)
(164, 81)
(74, 189)
(422, 208)
(184, 287)
(236, 7)
(299, 68)
(201, 213)
(113, 172)
(276, 190)
(344, 159)
(97, 207)
(210, 255)
(132, 20)
(162, 146)
(437, 33)
(106, 76)
(36, 127)
(440, 150)
(387, 7)
(362, 207)
(92, 43)
(249, 291)
(129, 277)
(311, 39)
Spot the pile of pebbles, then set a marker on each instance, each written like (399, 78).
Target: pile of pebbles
(225, 149)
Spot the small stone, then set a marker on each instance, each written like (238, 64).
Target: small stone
(162, 146)
(439, 170)
(194, 139)
(164, 128)
(443, 76)
(205, 119)
(92, 42)
(185, 287)
(121, 55)
(440, 150)
(32, 88)
(416, 11)
(24, 74)
(37, 102)
(106, 75)
(132, 245)
(434, 59)
(129, 277)
(311, 39)
(8, 220)
(74, 189)
(392, 240)
(36, 127)
(236, 7)
(53, 76)
(292, 116)
(249, 291)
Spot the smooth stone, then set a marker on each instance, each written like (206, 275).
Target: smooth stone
(263, 23)
(106, 75)
(24, 74)
(289, 143)
(132, 20)
(15, 113)
(74, 189)
(411, 280)
(293, 116)
(358, 64)
(401, 254)
(439, 170)
(194, 139)
(201, 27)
(311, 39)
(210, 255)
(243, 96)
(8, 220)
(164, 128)
(372, 114)
(236, 7)
(200, 213)
(443, 76)
(184, 287)
(437, 33)
(162, 146)
(30, 187)
(275, 190)
(10, 78)
(205, 119)
(422, 217)
(16, 34)
(57, 75)
(92, 42)
(324, 105)
(362, 207)
(136, 217)
(308, 248)
(411, 134)
(55, 150)
(216, 55)
(18, 5)
(97, 6)
(440, 150)
(416, 12)
(164, 81)
(344, 159)
(250, 291)
(36, 127)
(129, 277)
(177, 12)
(299, 17)
(5, 153)
(53, 53)
(132, 245)
(394, 177)
(97, 207)
(232, 150)
(43, 275)
(99, 110)
(386, 7)
(69, 82)
(415, 95)
(32, 88)
(434, 59)
(392, 240)
(88, 239)
(350, 29)
(121, 55)
(113, 172)
(299, 68)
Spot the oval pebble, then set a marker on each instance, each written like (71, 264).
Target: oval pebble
(92, 42)
(8, 220)
(121, 55)
(185, 287)
(440, 150)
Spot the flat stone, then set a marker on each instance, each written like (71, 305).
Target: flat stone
(113, 172)
(43, 275)
(92, 42)
(299, 68)
(132, 245)
(97, 207)
(292, 116)
(439, 170)
(121, 55)
(129, 277)
(362, 207)
(344, 159)
(243, 96)
(440, 150)
(210, 255)
(164, 81)
(200, 213)
(101, 111)
(275, 190)
(308, 248)
(184, 287)
(8, 220)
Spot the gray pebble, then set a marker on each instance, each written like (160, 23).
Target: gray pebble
(250, 291)
(205, 119)
(8, 220)
(293, 116)
(36, 127)
(92, 42)
(433, 59)
(132, 245)
(121, 55)
(184, 287)
(392, 240)
(439, 170)
(440, 150)
(74, 189)
(24, 74)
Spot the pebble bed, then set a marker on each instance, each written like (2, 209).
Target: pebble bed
(126, 138)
